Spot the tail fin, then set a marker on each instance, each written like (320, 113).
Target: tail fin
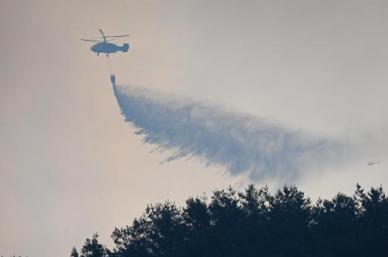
(125, 48)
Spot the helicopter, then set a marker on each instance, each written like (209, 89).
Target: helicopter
(105, 47)
(373, 163)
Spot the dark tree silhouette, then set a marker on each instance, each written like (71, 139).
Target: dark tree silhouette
(91, 248)
(255, 223)
(74, 252)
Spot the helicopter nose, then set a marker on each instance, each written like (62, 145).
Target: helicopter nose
(94, 48)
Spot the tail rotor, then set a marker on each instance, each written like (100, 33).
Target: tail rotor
(125, 47)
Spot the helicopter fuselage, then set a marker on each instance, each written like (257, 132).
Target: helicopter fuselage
(108, 48)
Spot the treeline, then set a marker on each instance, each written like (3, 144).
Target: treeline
(255, 223)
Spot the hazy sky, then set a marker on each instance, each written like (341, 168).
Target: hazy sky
(70, 166)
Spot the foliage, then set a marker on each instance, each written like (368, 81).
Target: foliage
(255, 223)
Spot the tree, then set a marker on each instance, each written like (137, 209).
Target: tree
(255, 223)
(74, 252)
(288, 223)
(158, 232)
(92, 248)
(373, 221)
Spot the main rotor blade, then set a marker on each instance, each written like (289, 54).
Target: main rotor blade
(118, 36)
(112, 39)
(111, 36)
(89, 40)
(102, 32)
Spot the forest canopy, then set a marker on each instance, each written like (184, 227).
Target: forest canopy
(254, 222)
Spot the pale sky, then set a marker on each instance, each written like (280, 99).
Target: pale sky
(70, 166)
